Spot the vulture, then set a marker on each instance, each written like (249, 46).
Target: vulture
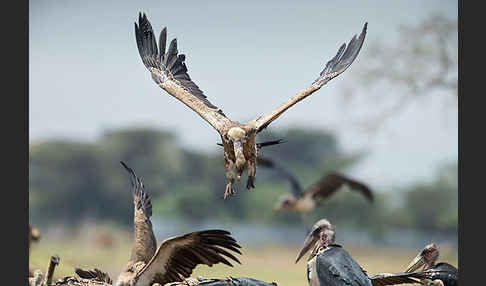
(306, 200)
(169, 71)
(174, 259)
(330, 265)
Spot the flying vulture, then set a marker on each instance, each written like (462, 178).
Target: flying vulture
(175, 258)
(305, 200)
(169, 71)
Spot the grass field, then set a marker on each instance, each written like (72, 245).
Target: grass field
(270, 263)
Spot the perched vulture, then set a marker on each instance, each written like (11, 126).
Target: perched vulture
(306, 200)
(169, 71)
(174, 259)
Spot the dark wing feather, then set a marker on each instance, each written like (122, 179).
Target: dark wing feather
(94, 274)
(383, 279)
(330, 183)
(144, 242)
(337, 65)
(169, 71)
(177, 257)
(295, 187)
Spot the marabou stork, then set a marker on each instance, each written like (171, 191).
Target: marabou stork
(175, 258)
(330, 265)
(440, 272)
(306, 200)
(169, 71)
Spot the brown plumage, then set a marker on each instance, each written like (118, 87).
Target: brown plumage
(306, 200)
(169, 72)
(175, 258)
(95, 274)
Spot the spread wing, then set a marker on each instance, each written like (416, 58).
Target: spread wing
(295, 187)
(329, 184)
(178, 256)
(144, 243)
(383, 279)
(169, 71)
(94, 274)
(337, 65)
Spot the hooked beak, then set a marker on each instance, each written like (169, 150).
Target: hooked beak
(310, 240)
(418, 261)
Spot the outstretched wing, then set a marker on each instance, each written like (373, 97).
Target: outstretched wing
(337, 65)
(383, 279)
(144, 243)
(178, 256)
(170, 73)
(295, 187)
(94, 274)
(329, 184)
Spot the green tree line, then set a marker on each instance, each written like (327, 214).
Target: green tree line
(70, 181)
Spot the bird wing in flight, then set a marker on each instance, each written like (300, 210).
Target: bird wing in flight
(337, 65)
(170, 72)
(144, 242)
(295, 189)
(177, 257)
(94, 274)
(330, 183)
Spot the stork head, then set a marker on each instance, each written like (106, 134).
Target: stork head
(426, 257)
(321, 235)
(286, 201)
(238, 136)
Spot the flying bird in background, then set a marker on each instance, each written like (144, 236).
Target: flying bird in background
(306, 200)
(169, 71)
(175, 258)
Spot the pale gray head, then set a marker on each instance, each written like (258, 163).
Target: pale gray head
(322, 233)
(238, 136)
(286, 201)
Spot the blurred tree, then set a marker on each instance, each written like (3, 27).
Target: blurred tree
(423, 62)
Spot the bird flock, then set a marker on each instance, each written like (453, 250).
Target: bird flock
(175, 258)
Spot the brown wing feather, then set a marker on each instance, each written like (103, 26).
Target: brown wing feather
(144, 242)
(330, 183)
(169, 71)
(337, 65)
(383, 279)
(177, 257)
(94, 274)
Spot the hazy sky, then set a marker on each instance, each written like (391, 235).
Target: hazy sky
(85, 74)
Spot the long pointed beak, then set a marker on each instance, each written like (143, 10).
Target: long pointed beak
(418, 261)
(310, 240)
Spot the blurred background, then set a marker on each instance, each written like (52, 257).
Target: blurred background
(390, 121)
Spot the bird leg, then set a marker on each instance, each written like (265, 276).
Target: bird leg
(229, 189)
(251, 174)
